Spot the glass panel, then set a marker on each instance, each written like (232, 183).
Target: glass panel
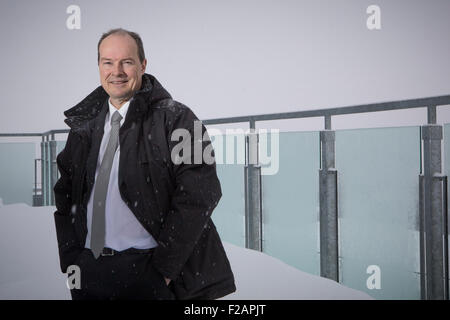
(59, 147)
(17, 172)
(290, 201)
(378, 187)
(229, 215)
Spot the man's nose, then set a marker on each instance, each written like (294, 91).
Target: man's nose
(118, 68)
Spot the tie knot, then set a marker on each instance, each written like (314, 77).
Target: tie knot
(116, 117)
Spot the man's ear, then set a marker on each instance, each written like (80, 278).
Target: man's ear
(144, 65)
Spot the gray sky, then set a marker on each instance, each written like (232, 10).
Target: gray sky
(230, 58)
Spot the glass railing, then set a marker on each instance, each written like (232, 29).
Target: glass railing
(378, 204)
(290, 202)
(229, 215)
(17, 161)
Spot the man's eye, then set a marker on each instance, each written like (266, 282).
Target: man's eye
(107, 63)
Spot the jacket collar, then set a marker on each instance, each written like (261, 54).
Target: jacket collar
(79, 116)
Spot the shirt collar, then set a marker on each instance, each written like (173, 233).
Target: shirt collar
(123, 109)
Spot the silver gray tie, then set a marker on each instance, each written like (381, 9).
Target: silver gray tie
(101, 188)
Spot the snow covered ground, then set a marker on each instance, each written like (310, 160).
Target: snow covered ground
(29, 265)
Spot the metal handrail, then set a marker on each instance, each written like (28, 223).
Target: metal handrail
(373, 107)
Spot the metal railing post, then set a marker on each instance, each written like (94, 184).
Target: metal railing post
(253, 212)
(44, 171)
(433, 215)
(329, 249)
(53, 169)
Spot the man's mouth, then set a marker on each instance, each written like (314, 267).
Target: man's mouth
(119, 82)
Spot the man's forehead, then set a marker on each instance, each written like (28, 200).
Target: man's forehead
(118, 52)
(118, 45)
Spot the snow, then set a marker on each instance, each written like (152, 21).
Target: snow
(262, 277)
(29, 267)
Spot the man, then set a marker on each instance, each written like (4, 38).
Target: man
(136, 223)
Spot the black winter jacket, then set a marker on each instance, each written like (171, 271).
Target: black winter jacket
(173, 202)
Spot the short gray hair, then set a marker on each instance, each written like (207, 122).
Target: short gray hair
(121, 31)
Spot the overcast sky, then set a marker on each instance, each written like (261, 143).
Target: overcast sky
(231, 58)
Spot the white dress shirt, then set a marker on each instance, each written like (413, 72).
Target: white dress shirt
(123, 230)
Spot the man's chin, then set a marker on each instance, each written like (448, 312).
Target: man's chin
(120, 97)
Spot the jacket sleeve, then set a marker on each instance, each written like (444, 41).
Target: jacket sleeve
(197, 193)
(68, 246)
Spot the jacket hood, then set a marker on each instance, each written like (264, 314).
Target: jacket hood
(151, 92)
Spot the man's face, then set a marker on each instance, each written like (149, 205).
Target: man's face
(120, 69)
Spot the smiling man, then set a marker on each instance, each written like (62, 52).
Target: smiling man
(137, 225)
